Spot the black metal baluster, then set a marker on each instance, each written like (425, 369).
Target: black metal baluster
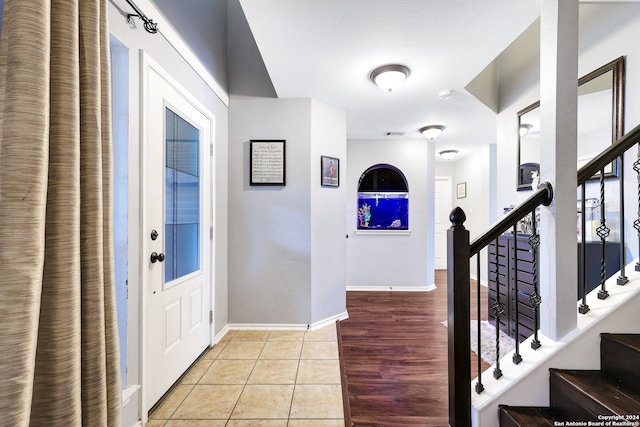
(498, 310)
(517, 358)
(584, 307)
(479, 386)
(636, 223)
(534, 298)
(603, 233)
(622, 279)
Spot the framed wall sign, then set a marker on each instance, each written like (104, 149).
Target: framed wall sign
(267, 162)
(330, 171)
(461, 190)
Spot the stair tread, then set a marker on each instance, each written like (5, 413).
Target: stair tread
(629, 340)
(620, 358)
(603, 389)
(530, 416)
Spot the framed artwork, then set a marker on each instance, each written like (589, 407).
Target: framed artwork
(461, 190)
(330, 171)
(267, 162)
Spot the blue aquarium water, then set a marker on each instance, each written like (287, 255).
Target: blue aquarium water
(387, 211)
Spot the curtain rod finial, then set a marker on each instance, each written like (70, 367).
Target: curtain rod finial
(149, 25)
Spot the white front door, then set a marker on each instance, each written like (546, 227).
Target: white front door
(178, 189)
(443, 209)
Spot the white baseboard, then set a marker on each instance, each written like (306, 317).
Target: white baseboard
(281, 326)
(128, 392)
(328, 321)
(427, 288)
(267, 327)
(221, 334)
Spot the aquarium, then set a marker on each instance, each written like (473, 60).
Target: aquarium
(383, 210)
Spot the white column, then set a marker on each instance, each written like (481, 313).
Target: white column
(558, 135)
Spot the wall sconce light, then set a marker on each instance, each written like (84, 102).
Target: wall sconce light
(432, 131)
(389, 77)
(448, 154)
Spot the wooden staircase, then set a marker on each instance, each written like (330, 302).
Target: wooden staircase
(583, 396)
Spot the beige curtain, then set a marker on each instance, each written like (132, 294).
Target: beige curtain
(59, 358)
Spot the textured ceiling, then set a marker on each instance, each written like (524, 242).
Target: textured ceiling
(326, 49)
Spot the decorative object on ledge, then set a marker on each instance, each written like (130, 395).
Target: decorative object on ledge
(432, 131)
(329, 171)
(267, 162)
(528, 173)
(364, 215)
(461, 190)
(149, 25)
(389, 77)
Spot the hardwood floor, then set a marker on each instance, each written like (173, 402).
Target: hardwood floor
(394, 354)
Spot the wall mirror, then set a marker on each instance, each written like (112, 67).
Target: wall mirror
(600, 122)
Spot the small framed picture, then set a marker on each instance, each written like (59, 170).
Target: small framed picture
(330, 171)
(267, 162)
(461, 190)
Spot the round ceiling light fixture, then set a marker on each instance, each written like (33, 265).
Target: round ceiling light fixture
(445, 94)
(389, 77)
(525, 128)
(448, 154)
(432, 131)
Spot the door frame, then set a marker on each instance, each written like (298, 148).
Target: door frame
(146, 65)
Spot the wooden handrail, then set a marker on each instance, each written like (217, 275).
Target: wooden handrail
(612, 152)
(460, 251)
(542, 196)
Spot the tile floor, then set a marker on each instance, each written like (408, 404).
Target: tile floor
(260, 378)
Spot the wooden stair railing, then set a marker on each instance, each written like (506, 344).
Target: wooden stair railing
(460, 251)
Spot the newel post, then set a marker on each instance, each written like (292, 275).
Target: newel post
(458, 319)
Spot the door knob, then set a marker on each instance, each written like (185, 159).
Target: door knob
(156, 257)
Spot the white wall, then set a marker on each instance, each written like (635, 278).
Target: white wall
(384, 259)
(477, 169)
(284, 252)
(328, 227)
(445, 168)
(477, 172)
(270, 249)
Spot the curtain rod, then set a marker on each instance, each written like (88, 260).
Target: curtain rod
(149, 25)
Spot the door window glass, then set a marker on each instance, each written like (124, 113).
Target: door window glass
(182, 197)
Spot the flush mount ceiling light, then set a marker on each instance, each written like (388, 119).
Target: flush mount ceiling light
(448, 154)
(389, 77)
(524, 129)
(445, 94)
(431, 131)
